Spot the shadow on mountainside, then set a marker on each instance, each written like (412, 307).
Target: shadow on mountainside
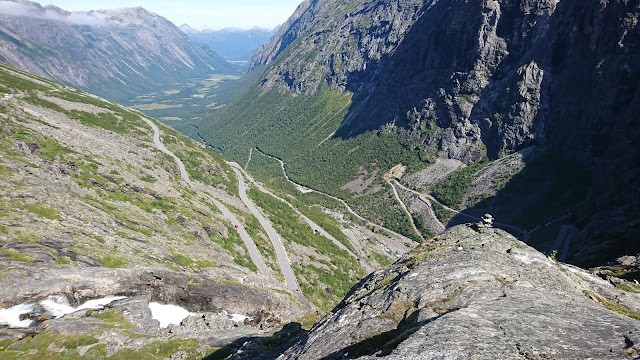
(261, 347)
(421, 65)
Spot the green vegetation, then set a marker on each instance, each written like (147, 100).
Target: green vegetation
(202, 165)
(182, 260)
(452, 189)
(148, 178)
(112, 262)
(50, 149)
(323, 282)
(118, 120)
(418, 221)
(8, 79)
(255, 230)
(297, 129)
(55, 346)
(112, 319)
(74, 343)
(422, 254)
(629, 287)
(194, 100)
(381, 259)
(16, 256)
(620, 309)
(235, 247)
(43, 211)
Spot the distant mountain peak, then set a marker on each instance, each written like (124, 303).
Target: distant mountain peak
(188, 29)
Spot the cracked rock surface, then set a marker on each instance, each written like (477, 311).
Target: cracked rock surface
(481, 295)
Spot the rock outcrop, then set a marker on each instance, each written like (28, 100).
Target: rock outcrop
(482, 295)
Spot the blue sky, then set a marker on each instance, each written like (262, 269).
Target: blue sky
(199, 14)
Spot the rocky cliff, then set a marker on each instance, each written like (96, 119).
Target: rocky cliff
(468, 81)
(118, 54)
(481, 294)
(496, 71)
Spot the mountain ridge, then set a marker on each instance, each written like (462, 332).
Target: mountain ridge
(118, 54)
(465, 81)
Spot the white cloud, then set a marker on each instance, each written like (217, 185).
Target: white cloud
(75, 18)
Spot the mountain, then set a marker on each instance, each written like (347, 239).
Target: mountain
(118, 54)
(103, 206)
(188, 29)
(521, 109)
(232, 44)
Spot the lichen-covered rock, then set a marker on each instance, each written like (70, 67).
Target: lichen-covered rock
(480, 295)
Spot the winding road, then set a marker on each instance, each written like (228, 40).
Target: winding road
(281, 254)
(404, 207)
(422, 196)
(566, 234)
(366, 221)
(315, 227)
(255, 255)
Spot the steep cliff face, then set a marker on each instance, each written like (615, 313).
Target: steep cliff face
(114, 53)
(478, 294)
(469, 80)
(479, 70)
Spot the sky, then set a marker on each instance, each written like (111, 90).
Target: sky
(199, 14)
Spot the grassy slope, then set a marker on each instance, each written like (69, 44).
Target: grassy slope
(145, 225)
(118, 193)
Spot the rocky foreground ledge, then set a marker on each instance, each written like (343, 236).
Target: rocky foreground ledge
(478, 294)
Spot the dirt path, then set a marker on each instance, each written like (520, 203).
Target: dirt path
(255, 255)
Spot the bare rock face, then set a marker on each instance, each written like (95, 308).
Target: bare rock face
(481, 295)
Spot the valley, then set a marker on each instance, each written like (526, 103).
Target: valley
(372, 179)
(143, 202)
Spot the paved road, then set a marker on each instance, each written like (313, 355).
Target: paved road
(255, 255)
(315, 227)
(404, 207)
(441, 227)
(370, 223)
(353, 239)
(281, 254)
(497, 224)
(156, 140)
(566, 234)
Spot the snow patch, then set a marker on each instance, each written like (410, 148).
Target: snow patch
(236, 318)
(239, 318)
(56, 305)
(168, 314)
